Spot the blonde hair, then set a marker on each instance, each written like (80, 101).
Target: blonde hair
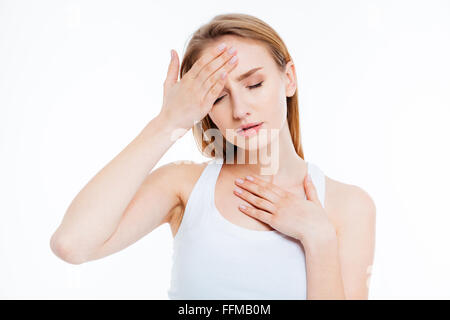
(248, 27)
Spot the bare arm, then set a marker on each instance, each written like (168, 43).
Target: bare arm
(117, 207)
(356, 238)
(96, 211)
(338, 265)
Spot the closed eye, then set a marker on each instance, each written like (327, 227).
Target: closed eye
(250, 87)
(256, 85)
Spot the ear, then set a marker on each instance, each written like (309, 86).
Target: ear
(291, 79)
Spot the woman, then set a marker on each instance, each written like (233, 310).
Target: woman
(295, 238)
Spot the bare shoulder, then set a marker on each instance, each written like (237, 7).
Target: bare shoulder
(348, 204)
(188, 172)
(183, 176)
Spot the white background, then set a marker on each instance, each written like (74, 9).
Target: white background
(80, 79)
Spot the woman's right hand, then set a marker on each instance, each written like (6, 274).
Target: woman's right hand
(189, 100)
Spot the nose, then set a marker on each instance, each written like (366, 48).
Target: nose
(240, 109)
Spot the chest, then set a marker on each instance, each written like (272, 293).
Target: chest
(227, 204)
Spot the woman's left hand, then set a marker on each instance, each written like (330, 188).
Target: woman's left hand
(302, 219)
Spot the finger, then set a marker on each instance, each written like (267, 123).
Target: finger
(258, 189)
(278, 190)
(208, 75)
(257, 214)
(255, 201)
(172, 71)
(310, 190)
(215, 90)
(204, 59)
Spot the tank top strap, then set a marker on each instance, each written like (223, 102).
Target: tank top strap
(197, 204)
(318, 178)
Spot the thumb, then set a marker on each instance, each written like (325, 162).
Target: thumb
(172, 72)
(310, 189)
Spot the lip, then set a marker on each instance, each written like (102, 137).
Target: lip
(248, 125)
(250, 132)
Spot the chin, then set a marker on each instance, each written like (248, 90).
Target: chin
(258, 141)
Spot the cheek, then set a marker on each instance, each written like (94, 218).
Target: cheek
(275, 106)
(217, 116)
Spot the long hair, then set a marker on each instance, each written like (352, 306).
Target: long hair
(248, 27)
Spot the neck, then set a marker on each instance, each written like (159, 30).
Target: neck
(275, 162)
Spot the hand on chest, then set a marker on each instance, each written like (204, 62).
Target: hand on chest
(227, 204)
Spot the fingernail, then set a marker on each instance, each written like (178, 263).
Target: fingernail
(238, 190)
(221, 46)
(250, 178)
(242, 206)
(309, 178)
(238, 180)
(172, 55)
(232, 50)
(233, 60)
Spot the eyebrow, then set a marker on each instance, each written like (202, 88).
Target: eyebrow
(247, 74)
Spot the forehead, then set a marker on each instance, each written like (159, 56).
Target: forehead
(251, 53)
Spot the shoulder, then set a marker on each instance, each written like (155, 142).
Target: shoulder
(348, 204)
(183, 174)
(183, 167)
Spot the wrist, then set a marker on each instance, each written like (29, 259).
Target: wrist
(166, 126)
(320, 241)
(157, 129)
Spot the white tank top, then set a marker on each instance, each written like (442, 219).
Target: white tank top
(214, 258)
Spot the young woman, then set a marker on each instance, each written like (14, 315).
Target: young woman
(295, 238)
